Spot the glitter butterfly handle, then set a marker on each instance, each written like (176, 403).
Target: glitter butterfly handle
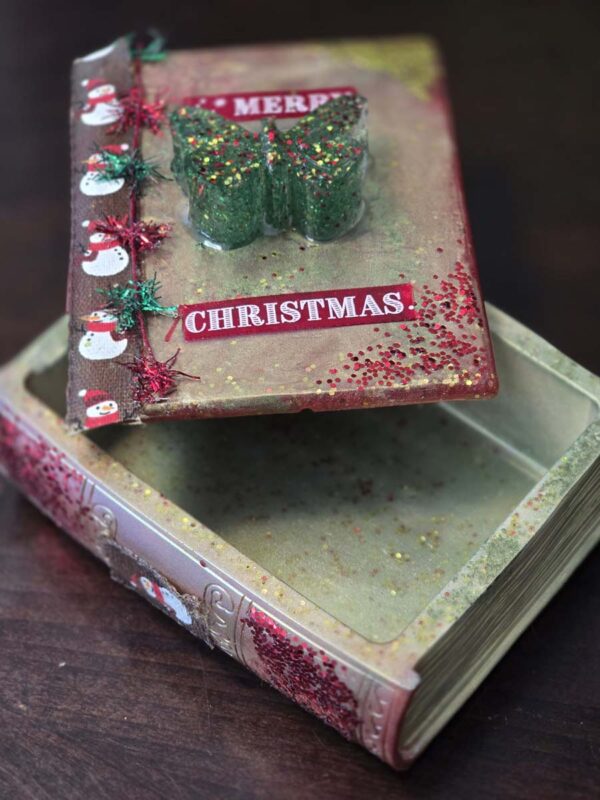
(242, 185)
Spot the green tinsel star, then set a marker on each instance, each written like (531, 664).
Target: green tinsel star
(242, 184)
(130, 166)
(128, 300)
(148, 48)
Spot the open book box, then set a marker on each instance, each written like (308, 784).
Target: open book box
(372, 565)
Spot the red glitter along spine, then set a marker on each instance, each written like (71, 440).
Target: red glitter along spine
(360, 706)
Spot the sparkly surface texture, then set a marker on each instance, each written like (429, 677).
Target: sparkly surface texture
(306, 675)
(43, 475)
(241, 184)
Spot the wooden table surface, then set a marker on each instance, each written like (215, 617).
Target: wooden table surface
(103, 697)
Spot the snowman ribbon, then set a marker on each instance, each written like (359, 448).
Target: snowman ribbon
(103, 99)
(106, 244)
(99, 160)
(96, 325)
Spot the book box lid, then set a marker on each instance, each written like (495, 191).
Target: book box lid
(389, 312)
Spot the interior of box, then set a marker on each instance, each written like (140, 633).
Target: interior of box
(366, 513)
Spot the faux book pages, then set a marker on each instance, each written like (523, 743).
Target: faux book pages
(268, 229)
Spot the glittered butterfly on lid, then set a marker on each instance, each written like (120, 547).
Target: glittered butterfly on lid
(242, 184)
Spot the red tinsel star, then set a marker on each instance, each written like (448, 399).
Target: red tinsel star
(135, 112)
(144, 236)
(154, 379)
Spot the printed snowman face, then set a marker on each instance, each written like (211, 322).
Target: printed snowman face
(102, 107)
(98, 343)
(167, 598)
(177, 607)
(101, 91)
(100, 410)
(104, 256)
(147, 586)
(92, 185)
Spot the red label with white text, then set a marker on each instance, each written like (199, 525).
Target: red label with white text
(280, 313)
(258, 105)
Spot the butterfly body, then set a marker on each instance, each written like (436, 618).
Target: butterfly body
(243, 184)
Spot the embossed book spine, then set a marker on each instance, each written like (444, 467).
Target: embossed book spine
(220, 611)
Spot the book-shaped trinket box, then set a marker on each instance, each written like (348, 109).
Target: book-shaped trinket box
(374, 567)
(268, 229)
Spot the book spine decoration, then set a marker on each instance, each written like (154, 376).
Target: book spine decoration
(364, 707)
(117, 371)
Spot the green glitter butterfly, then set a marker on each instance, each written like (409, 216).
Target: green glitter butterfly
(242, 185)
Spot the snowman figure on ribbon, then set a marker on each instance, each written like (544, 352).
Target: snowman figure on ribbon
(104, 255)
(101, 341)
(102, 106)
(163, 597)
(100, 408)
(92, 184)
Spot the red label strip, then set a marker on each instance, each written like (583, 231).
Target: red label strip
(258, 105)
(305, 311)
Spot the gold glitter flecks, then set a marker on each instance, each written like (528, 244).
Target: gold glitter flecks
(430, 540)
(412, 60)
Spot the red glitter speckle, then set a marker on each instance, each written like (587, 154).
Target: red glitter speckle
(434, 342)
(43, 474)
(304, 674)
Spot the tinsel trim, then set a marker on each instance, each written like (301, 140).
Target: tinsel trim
(127, 301)
(143, 236)
(134, 111)
(130, 166)
(154, 380)
(149, 47)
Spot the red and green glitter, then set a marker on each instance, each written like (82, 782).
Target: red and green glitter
(242, 185)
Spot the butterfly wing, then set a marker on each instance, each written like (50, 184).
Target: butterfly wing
(219, 166)
(327, 154)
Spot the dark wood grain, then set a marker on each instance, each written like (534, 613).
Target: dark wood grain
(103, 697)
